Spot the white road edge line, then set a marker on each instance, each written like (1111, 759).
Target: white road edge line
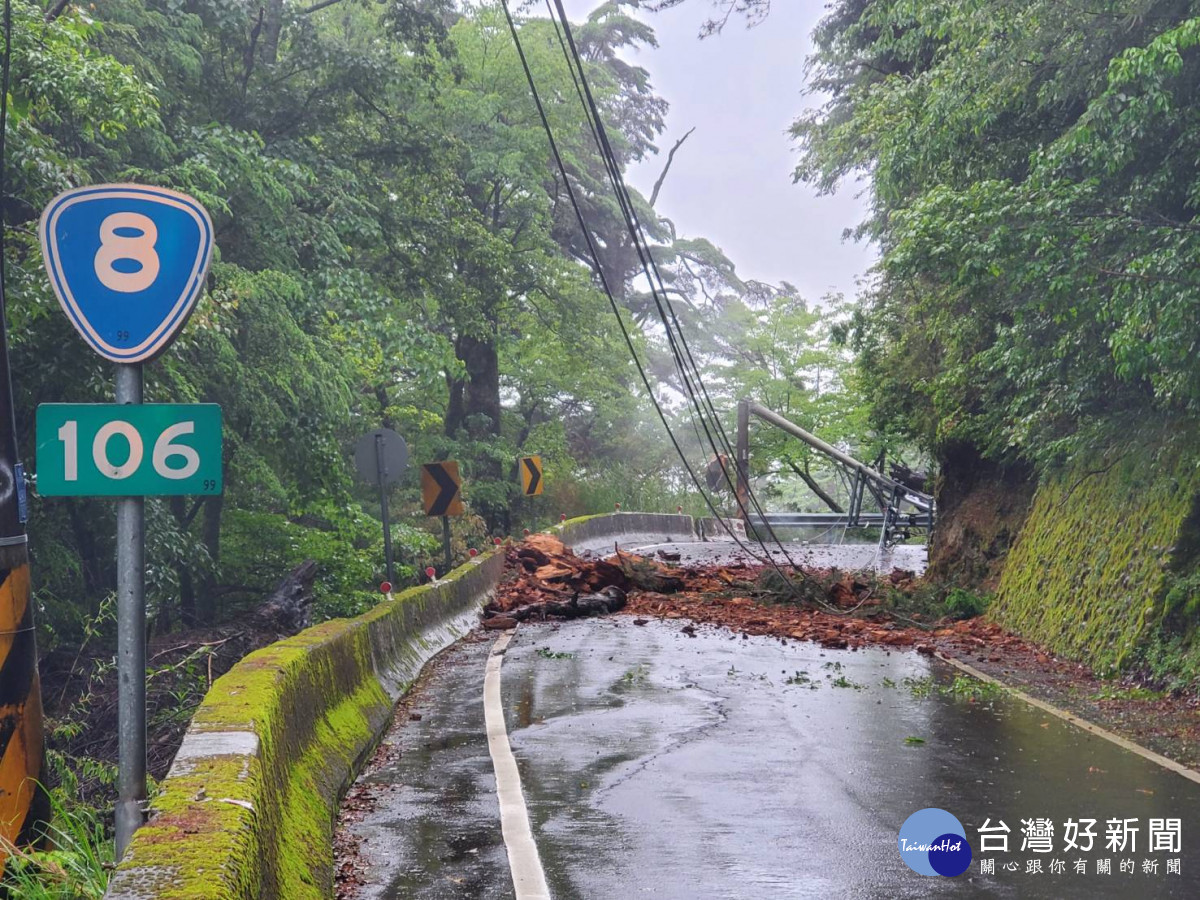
(1077, 721)
(529, 879)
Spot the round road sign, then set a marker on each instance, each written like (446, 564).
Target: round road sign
(381, 456)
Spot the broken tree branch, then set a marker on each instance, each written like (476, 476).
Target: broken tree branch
(670, 158)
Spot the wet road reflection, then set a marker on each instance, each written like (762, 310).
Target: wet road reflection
(662, 765)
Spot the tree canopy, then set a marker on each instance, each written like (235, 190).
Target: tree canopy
(394, 246)
(1034, 200)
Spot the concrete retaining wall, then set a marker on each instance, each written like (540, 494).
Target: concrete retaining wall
(597, 534)
(248, 807)
(711, 529)
(1091, 573)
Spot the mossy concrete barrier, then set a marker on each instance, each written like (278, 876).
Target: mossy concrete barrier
(1088, 573)
(247, 810)
(658, 527)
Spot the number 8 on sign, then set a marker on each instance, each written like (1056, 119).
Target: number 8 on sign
(115, 247)
(127, 262)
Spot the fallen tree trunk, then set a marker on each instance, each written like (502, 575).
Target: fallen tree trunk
(289, 608)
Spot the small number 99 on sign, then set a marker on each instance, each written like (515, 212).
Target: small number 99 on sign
(86, 450)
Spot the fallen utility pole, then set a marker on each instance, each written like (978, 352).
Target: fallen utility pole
(918, 499)
(888, 492)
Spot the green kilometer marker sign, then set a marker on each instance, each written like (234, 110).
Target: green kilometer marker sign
(124, 450)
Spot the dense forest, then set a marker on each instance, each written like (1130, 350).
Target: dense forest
(392, 247)
(395, 246)
(1033, 198)
(1032, 193)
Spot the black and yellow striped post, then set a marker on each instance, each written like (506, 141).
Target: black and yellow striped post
(24, 805)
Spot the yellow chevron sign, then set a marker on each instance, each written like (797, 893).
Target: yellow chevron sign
(23, 804)
(532, 481)
(441, 489)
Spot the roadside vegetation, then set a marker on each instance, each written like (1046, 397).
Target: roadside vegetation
(392, 248)
(1035, 310)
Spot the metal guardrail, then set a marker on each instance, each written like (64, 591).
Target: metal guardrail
(802, 519)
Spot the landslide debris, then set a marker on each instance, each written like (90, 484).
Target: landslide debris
(836, 609)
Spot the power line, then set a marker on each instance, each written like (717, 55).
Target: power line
(604, 280)
(663, 303)
(683, 358)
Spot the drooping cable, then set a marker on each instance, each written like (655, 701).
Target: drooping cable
(685, 361)
(686, 365)
(604, 280)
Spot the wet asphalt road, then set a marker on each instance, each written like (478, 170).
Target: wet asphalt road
(661, 765)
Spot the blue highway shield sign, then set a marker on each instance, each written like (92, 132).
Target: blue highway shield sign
(127, 263)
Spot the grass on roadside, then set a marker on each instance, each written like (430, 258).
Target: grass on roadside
(74, 865)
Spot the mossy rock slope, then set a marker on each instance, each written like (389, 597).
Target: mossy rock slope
(1090, 568)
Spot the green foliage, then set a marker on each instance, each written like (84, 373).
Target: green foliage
(347, 546)
(1111, 691)
(919, 687)
(843, 682)
(1168, 661)
(961, 603)
(972, 689)
(393, 246)
(1034, 208)
(1182, 599)
(962, 688)
(75, 864)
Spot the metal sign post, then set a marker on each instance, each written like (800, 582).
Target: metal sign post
(131, 641)
(128, 264)
(381, 456)
(381, 473)
(446, 543)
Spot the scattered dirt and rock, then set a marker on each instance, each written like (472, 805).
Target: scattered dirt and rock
(838, 610)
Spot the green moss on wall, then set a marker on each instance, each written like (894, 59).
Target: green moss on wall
(1088, 574)
(298, 717)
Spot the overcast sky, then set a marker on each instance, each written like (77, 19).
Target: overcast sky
(731, 182)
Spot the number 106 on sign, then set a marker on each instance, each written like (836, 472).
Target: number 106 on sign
(119, 450)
